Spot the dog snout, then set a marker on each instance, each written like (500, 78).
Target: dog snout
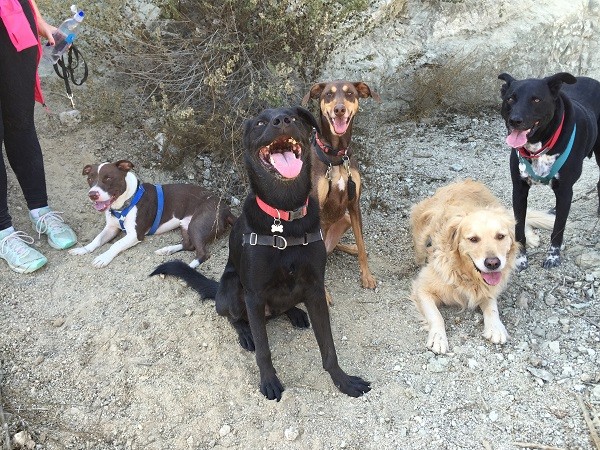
(94, 195)
(515, 121)
(491, 263)
(281, 121)
(339, 110)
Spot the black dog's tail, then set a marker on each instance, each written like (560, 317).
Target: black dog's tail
(206, 287)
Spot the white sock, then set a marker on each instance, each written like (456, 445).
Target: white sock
(9, 230)
(35, 213)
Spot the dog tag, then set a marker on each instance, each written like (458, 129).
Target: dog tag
(277, 226)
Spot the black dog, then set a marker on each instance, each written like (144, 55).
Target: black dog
(552, 129)
(276, 250)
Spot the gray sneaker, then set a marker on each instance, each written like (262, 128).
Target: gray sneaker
(14, 249)
(60, 235)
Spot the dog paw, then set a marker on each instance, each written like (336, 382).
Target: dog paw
(246, 340)
(552, 258)
(437, 341)
(496, 333)
(522, 262)
(79, 251)
(169, 250)
(102, 260)
(271, 388)
(298, 317)
(353, 386)
(368, 281)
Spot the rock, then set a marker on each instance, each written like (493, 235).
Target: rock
(225, 430)
(70, 118)
(493, 416)
(291, 433)
(554, 346)
(437, 365)
(523, 301)
(595, 394)
(23, 440)
(550, 300)
(58, 322)
(588, 260)
(541, 374)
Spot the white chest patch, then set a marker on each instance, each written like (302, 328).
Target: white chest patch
(341, 184)
(541, 167)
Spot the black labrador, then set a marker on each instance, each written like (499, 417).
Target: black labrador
(552, 128)
(276, 250)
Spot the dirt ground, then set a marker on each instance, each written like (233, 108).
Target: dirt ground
(111, 359)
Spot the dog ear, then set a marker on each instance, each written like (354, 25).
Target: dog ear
(555, 81)
(86, 170)
(314, 92)
(451, 233)
(365, 91)
(308, 118)
(125, 165)
(508, 79)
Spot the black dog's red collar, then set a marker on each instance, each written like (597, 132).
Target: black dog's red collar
(288, 216)
(546, 147)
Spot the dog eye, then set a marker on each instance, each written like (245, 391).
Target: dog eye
(474, 239)
(500, 236)
(511, 100)
(535, 100)
(260, 123)
(107, 178)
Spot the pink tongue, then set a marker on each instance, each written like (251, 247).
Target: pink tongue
(518, 138)
(340, 125)
(492, 278)
(287, 164)
(101, 206)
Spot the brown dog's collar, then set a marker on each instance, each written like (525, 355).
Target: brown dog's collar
(328, 149)
(288, 216)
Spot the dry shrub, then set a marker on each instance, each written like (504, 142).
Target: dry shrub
(213, 64)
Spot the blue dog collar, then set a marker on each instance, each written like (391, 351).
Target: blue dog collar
(120, 215)
(555, 167)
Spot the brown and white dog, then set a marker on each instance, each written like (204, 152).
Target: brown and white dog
(141, 209)
(335, 178)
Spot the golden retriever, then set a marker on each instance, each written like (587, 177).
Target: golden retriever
(466, 239)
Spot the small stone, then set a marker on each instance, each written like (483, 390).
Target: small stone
(595, 394)
(554, 346)
(291, 433)
(493, 416)
(437, 365)
(523, 301)
(58, 322)
(225, 430)
(550, 300)
(188, 312)
(472, 363)
(22, 439)
(456, 167)
(70, 118)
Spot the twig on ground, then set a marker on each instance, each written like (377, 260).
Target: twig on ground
(4, 425)
(536, 446)
(588, 421)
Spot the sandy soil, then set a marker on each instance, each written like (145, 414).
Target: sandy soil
(111, 359)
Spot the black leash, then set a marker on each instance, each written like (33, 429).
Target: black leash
(75, 60)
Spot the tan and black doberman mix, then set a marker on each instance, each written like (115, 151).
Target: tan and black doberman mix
(335, 177)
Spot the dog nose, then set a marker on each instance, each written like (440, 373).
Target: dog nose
(339, 110)
(515, 121)
(93, 195)
(492, 263)
(282, 121)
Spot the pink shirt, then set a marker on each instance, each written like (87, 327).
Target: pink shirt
(20, 34)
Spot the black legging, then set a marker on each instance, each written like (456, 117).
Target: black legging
(17, 128)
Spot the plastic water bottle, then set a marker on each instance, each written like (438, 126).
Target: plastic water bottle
(64, 36)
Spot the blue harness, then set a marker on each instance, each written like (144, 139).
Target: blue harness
(120, 215)
(555, 167)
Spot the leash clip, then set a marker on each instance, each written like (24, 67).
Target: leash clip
(70, 97)
(328, 173)
(277, 227)
(346, 163)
